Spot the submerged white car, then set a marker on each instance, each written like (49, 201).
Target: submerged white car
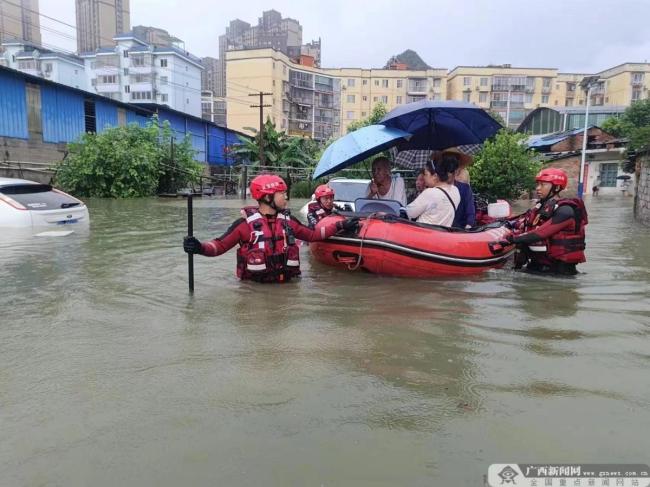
(346, 191)
(26, 204)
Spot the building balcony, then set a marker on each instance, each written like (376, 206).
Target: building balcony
(504, 104)
(106, 70)
(145, 69)
(546, 90)
(144, 86)
(107, 88)
(417, 92)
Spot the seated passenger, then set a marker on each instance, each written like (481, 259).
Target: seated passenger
(322, 207)
(466, 211)
(384, 186)
(419, 186)
(437, 204)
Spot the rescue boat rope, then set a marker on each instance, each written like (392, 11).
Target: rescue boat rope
(363, 237)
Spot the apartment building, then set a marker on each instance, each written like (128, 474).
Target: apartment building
(305, 100)
(136, 72)
(318, 102)
(622, 84)
(44, 63)
(272, 31)
(362, 89)
(98, 21)
(20, 20)
(511, 92)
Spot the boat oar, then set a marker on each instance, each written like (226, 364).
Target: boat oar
(190, 232)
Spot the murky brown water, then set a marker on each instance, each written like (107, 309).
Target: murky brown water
(110, 374)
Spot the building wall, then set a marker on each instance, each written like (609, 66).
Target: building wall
(642, 198)
(620, 84)
(98, 21)
(19, 19)
(593, 167)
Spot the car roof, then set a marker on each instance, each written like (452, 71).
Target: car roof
(11, 181)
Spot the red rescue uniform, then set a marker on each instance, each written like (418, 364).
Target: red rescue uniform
(268, 250)
(553, 236)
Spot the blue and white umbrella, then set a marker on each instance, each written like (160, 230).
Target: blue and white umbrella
(357, 146)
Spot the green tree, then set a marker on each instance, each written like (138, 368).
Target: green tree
(504, 168)
(497, 116)
(280, 149)
(634, 125)
(378, 112)
(125, 162)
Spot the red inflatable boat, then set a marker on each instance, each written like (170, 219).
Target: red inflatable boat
(394, 246)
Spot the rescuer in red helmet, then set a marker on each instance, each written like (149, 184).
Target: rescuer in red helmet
(551, 236)
(323, 205)
(267, 235)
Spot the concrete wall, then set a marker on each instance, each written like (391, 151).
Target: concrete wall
(642, 198)
(13, 151)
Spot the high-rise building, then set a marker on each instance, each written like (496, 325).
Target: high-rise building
(271, 31)
(19, 20)
(98, 21)
(210, 74)
(156, 36)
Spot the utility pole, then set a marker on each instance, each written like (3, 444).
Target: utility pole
(587, 84)
(261, 106)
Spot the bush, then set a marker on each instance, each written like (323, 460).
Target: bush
(504, 168)
(126, 162)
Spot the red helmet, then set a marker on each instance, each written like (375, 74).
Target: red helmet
(323, 190)
(266, 184)
(556, 177)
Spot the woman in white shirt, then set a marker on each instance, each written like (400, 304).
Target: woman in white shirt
(437, 204)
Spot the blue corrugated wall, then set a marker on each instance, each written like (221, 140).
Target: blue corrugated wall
(106, 114)
(13, 107)
(132, 117)
(62, 110)
(62, 113)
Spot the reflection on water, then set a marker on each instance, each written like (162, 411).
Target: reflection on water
(110, 373)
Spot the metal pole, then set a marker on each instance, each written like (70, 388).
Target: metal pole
(262, 129)
(508, 109)
(581, 182)
(190, 233)
(244, 180)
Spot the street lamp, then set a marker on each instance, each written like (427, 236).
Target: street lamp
(587, 84)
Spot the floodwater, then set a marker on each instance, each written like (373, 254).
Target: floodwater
(111, 374)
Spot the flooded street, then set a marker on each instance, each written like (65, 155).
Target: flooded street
(111, 374)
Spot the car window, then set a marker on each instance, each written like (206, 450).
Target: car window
(38, 196)
(349, 191)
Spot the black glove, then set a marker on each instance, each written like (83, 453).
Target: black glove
(192, 245)
(350, 225)
(507, 241)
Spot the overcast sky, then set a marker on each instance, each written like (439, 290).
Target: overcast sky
(573, 35)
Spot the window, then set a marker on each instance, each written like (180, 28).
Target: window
(93, 65)
(544, 98)
(398, 100)
(363, 114)
(137, 61)
(375, 98)
(350, 115)
(76, 71)
(436, 97)
(568, 102)
(376, 82)
(637, 78)
(141, 95)
(436, 82)
(528, 98)
(484, 81)
(127, 89)
(163, 80)
(398, 83)
(163, 63)
(466, 96)
(284, 69)
(636, 94)
(467, 81)
(384, 99)
(351, 98)
(351, 82)
(125, 53)
(384, 83)
(126, 71)
(364, 82)
(187, 100)
(164, 97)
(48, 68)
(608, 173)
(570, 86)
(546, 82)
(109, 79)
(364, 98)
(482, 97)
